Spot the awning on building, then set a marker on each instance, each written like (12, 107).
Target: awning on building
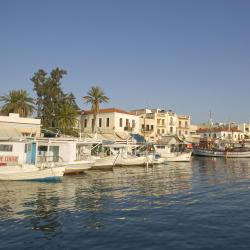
(7, 132)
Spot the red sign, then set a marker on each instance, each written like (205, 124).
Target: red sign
(5, 159)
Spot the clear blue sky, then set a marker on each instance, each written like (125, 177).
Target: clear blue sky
(191, 56)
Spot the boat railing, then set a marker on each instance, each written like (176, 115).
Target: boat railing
(42, 159)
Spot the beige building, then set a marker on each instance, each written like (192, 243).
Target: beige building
(20, 126)
(110, 120)
(183, 126)
(155, 123)
(245, 128)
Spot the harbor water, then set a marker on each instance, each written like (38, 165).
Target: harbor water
(203, 204)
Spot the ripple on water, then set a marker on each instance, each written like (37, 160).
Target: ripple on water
(204, 204)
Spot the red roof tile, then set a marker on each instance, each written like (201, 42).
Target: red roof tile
(106, 110)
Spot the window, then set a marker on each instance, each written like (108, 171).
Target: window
(107, 122)
(93, 123)
(158, 131)
(133, 123)
(187, 133)
(158, 121)
(162, 122)
(27, 148)
(152, 127)
(127, 123)
(171, 130)
(171, 122)
(147, 127)
(162, 131)
(85, 123)
(100, 122)
(143, 126)
(179, 123)
(6, 148)
(186, 124)
(179, 132)
(120, 122)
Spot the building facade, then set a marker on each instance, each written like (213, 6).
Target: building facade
(26, 127)
(109, 120)
(155, 123)
(224, 133)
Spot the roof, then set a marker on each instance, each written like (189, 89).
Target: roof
(106, 110)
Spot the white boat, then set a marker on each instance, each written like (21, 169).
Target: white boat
(172, 156)
(76, 167)
(30, 172)
(104, 163)
(73, 153)
(18, 161)
(133, 160)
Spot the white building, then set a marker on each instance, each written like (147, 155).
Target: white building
(26, 127)
(224, 133)
(110, 120)
(245, 128)
(155, 123)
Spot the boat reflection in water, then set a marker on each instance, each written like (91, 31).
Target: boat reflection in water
(125, 201)
(93, 191)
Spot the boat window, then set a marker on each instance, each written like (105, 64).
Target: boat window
(42, 148)
(6, 148)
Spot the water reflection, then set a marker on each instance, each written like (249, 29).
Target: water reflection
(92, 193)
(124, 197)
(221, 170)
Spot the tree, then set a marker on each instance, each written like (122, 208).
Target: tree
(95, 97)
(17, 101)
(66, 118)
(52, 101)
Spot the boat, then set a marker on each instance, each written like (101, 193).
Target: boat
(75, 154)
(18, 161)
(211, 148)
(27, 172)
(104, 163)
(170, 155)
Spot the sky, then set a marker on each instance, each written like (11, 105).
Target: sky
(190, 56)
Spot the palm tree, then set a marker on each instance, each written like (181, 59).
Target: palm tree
(18, 101)
(95, 96)
(66, 118)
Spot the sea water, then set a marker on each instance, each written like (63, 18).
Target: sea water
(202, 204)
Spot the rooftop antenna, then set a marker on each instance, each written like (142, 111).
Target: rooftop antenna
(210, 119)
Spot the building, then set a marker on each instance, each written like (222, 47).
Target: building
(15, 126)
(245, 128)
(225, 133)
(110, 120)
(155, 123)
(184, 126)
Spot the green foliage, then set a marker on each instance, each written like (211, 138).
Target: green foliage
(95, 97)
(55, 108)
(17, 101)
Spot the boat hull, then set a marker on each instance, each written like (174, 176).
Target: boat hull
(226, 154)
(27, 172)
(177, 156)
(78, 167)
